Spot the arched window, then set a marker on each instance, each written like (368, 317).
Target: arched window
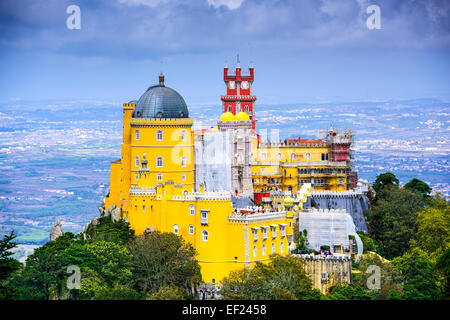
(136, 161)
(183, 135)
(191, 229)
(159, 135)
(136, 135)
(205, 235)
(175, 228)
(308, 156)
(192, 210)
(292, 156)
(255, 251)
(273, 247)
(263, 249)
(281, 246)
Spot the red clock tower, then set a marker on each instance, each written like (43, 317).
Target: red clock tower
(239, 97)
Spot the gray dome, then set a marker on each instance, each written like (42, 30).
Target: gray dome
(160, 101)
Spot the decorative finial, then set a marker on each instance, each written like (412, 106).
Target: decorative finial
(238, 64)
(161, 79)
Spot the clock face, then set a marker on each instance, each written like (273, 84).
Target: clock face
(231, 85)
(244, 85)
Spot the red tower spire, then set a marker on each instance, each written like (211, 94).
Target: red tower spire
(239, 87)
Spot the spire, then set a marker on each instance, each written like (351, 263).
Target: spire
(161, 80)
(238, 64)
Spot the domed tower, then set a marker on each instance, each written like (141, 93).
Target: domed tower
(158, 145)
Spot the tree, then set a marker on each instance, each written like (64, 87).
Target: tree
(349, 292)
(8, 266)
(169, 292)
(418, 276)
(113, 261)
(443, 266)
(302, 242)
(419, 186)
(368, 243)
(45, 272)
(433, 230)
(385, 179)
(390, 276)
(108, 230)
(163, 259)
(392, 219)
(283, 278)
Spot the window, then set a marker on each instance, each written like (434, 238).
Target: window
(283, 231)
(183, 135)
(324, 156)
(159, 135)
(183, 176)
(262, 169)
(293, 156)
(273, 248)
(159, 162)
(263, 249)
(143, 208)
(282, 247)
(324, 276)
(274, 232)
(230, 108)
(308, 156)
(341, 182)
(264, 156)
(136, 135)
(246, 109)
(255, 234)
(279, 156)
(255, 251)
(159, 177)
(175, 228)
(191, 229)
(205, 235)
(192, 210)
(264, 232)
(204, 217)
(183, 161)
(136, 161)
(136, 176)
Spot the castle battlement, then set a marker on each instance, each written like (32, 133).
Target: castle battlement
(142, 191)
(325, 210)
(161, 121)
(310, 257)
(257, 216)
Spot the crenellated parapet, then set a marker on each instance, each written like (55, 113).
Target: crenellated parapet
(142, 191)
(155, 122)
(265, 215)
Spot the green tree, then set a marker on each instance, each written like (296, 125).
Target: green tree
(283, 278)
(113, 261)
(349, 292)
(419, 186)
(169, 292)
(8, 266)
(418, 275)
(108, 230)
(368, 243)
(443, 266)
(390, 276)
(302, 242)
(392, 219)
(163, 259)
(385, 179)
(45, 271)
(433, 230)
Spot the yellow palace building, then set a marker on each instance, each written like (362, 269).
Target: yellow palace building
(163, 181)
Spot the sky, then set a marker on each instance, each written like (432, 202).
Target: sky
(302, 50)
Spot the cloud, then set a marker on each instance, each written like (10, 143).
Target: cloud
(143, 29)
(230, 4)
